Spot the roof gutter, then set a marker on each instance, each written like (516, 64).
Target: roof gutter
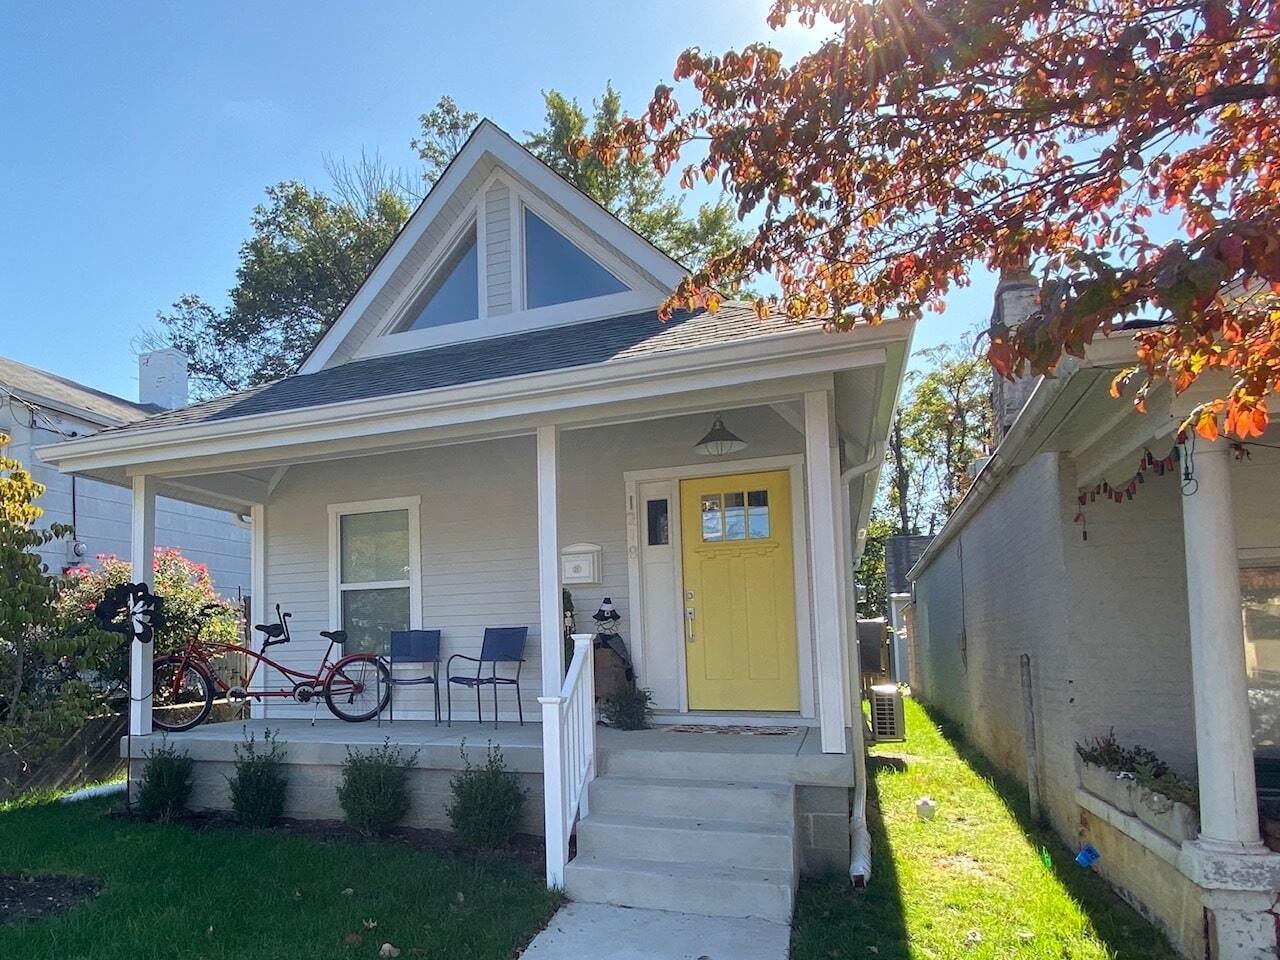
(768, 356)
(860, 836)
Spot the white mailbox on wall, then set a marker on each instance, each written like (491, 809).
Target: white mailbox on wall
(581, 563)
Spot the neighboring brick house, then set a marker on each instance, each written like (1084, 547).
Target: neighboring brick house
(37, 408)
(1061, 553)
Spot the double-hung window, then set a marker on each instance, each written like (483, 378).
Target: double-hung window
(375, 570)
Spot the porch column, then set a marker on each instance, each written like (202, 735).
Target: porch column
(258, 594)
(1224, 740)
(551, 617)
(825, 545)
(142, 550)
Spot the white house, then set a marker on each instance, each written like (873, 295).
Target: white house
(38, 408)
(1138, 574)
(500, 411)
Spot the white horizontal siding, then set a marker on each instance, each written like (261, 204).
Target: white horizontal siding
(497, 206)
(479, 531)
(103, 511)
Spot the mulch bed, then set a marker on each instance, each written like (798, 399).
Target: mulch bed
(24, 897)
(524, 848)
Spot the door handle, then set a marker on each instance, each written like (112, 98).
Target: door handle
(688, 618)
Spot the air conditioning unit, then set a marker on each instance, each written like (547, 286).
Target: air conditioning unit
(886, 713)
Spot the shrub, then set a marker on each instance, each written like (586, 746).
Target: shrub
(257, 789)
(628, 708)
(374, 793)
(1107, 752)
(166, 783)
(487, 800)
(1160, 779)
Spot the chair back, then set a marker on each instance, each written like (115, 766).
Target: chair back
(503, 644)
(415, 646)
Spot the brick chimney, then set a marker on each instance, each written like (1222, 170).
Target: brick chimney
(1015, 301)
(162, 378)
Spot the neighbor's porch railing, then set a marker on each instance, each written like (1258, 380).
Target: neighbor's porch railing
(568, 754)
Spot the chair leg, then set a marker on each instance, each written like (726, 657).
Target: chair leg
(519, 705)
(495, 704)
(479, 709)
(448, 696)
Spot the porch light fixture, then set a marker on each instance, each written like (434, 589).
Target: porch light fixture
(719, 440)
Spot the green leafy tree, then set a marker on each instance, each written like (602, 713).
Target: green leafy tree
(443, 132)
(871, 570)
(41, 699)
(942, 426)
(307, 256)
(633, 192)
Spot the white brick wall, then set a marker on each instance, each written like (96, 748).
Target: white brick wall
(1104, 621)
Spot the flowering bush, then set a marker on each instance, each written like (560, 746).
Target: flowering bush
(184, 584)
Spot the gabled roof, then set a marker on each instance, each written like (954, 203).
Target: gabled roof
(597, 343)
(900, 555)
(465, 192)
(74, 398)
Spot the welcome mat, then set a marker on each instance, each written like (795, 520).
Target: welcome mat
(740, 729)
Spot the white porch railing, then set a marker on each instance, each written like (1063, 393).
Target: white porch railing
(568, 754)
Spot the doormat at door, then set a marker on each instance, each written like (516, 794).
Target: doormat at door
(733, 728)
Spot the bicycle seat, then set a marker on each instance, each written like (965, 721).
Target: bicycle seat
(274, 631)
(337, 636)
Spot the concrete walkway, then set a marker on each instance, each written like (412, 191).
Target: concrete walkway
(596, 931)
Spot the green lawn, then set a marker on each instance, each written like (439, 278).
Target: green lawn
(971, 883)
(180, 894)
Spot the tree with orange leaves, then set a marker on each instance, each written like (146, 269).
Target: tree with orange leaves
(925, 137)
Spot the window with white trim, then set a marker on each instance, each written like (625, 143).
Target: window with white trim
(375, 578)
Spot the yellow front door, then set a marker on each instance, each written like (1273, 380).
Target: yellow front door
(739, 592)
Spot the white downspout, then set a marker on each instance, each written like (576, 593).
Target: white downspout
(860, 836)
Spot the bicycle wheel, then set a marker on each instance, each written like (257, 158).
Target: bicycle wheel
(351, 689)
(181, 694)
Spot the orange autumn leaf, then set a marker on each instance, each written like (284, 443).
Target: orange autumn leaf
(930, 139)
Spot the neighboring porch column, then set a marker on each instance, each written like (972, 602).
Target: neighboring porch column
(142, 550)
(551, 616)
(825, 546)
(1224, 740)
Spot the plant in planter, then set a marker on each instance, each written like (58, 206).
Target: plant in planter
(1136, 781)
(1105, 771)
(628, 708)
(1167, 803)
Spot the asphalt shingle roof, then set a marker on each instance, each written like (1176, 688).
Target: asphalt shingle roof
(598, 342)
(900, 555)
(22, 379)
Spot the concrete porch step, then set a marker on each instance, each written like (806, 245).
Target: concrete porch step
(726, 799)
(709, 889)
(698, 764)
(734, 843)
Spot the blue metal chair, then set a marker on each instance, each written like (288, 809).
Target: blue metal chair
(501, 645)
(414, 646)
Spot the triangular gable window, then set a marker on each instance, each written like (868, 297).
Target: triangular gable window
(557, 271)
(453, 295)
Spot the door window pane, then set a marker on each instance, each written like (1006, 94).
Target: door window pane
(659, 523)
(712, 522)
(1260, 593)
(375, 546)
(556, 271)
(735, 516)
(758, 514)
(369, 616)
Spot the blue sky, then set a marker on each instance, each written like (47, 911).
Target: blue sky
(137, 138)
